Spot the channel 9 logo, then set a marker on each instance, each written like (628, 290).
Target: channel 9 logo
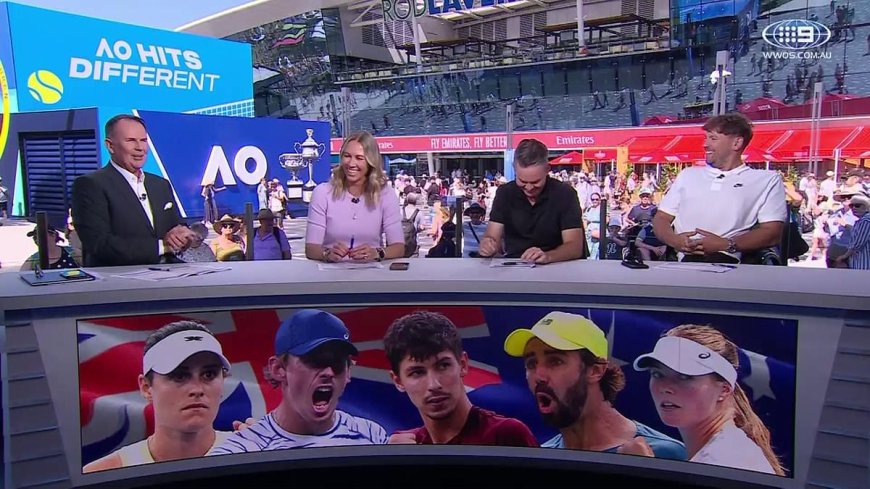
(796, 34)
(45, 87)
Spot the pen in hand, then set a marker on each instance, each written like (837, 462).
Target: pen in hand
(351, 242)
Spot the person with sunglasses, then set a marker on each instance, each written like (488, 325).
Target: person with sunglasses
(857, 255)
(228, 246)
(311, 367)
(592, 224)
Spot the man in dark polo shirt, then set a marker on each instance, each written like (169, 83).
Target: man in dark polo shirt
(539, 217)
(427, 362)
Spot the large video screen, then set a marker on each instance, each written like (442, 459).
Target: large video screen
(705, 388)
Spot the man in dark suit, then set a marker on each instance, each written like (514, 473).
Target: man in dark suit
(123, 215)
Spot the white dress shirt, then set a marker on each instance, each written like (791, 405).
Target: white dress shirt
(137, 185)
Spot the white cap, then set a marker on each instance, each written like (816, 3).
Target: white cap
(688, 358)
(167, 354)
(829, 173)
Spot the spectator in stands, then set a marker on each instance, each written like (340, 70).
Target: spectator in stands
(263, 194)
(642, 212)
(592, 224)
(270, 242)
(649, 246)
(228, 246)
(198, 252)
(4, 200)
(349, 213)
(575, 385)
(59, 256)
(278, 201)
(857, 254)
(828, 185)
(124, 215)
(538, 216)
(727, 209)
(473, 230)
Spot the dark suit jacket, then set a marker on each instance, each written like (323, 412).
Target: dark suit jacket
(111, 223)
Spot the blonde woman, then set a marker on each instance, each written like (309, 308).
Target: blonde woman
(349, 214)
(693, 382)
(228, 246)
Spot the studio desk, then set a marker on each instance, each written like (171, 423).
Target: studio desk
(804, 336)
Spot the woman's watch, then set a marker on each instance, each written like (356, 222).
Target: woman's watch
(326, 253)
(381, 254)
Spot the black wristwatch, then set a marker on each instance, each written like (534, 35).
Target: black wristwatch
(381, 254)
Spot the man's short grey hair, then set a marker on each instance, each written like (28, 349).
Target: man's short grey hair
(531, 152)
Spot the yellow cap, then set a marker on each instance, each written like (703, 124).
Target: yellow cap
(562, 331)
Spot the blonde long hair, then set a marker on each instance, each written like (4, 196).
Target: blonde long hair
(744, 416)
(376, 179)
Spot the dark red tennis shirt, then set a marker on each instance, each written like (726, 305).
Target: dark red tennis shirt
(484, 428)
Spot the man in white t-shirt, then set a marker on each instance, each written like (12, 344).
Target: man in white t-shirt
(311, 367)
(720, 212)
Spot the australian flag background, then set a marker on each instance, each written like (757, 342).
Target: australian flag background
(114, 414)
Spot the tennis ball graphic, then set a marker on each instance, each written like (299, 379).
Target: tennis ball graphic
(45, 87)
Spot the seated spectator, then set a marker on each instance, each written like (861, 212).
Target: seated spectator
(616, 243)
(59, 257)
(720, 212)
(198, 253)
(270, 242)
(538, 217)
(857, 254)
(642, 213)
(228, 246)
(349, 214)
(650, 247)
(445, 247)
(473, 230)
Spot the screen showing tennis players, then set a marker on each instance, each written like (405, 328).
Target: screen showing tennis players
(709, 389)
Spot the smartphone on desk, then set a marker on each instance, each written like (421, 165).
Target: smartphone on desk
(399, 265)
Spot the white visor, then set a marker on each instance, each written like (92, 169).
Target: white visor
(688, 358)
(170, 352)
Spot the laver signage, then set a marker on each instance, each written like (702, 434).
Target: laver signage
(404, 9)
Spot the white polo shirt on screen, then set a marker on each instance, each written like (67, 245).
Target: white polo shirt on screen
(726, 203)
(138, 453)
(730, 447)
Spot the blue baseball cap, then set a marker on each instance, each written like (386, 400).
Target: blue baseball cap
(307, 329)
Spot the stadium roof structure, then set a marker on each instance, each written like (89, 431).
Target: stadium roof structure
(259, 12)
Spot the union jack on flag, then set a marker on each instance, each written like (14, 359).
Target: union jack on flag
(114, 414)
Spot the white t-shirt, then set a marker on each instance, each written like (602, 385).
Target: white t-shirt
(730, 447)
(138, 453)
(265, 434)
(727, 204)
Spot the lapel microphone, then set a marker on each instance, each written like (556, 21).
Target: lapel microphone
(142, 197)
(355, 200)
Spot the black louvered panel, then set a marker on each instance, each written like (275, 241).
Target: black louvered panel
(52, 163)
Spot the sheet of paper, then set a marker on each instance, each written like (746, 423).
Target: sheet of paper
(348, 265)
(697, 267)
(511, 264)
(158, 273)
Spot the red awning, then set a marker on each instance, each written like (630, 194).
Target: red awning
(796, 146)
(658, 120)
(761, 103)
(640, 146)
(857, 146)
(600, 154)
(686, 148)
(572, 158)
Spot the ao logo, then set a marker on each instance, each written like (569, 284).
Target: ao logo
(218, 164)
(796, 34)
(45, 87)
